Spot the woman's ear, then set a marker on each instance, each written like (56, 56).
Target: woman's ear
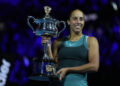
(68, 22)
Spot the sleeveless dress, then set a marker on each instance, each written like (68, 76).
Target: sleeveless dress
(71, 54)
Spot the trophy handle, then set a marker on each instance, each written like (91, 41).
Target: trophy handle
(28, 22)
(63, 22)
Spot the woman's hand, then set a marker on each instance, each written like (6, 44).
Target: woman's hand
(62, 72)
(45, 39)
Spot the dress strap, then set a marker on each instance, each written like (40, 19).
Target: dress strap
(85, 41)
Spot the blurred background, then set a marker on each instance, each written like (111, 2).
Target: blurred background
(19, 45)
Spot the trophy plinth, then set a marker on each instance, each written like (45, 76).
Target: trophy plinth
(46, 26)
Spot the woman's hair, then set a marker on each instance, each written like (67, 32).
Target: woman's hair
(70, 13)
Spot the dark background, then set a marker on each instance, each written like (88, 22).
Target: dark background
(19, 45)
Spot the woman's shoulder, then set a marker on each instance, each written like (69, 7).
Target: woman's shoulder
(58, 41)
(91, 39)
(61, 39)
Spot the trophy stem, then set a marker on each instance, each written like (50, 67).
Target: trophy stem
(45, 47)
(45, 56)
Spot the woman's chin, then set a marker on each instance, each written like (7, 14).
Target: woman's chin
(77, 30)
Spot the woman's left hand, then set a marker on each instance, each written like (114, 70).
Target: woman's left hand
(62, 72)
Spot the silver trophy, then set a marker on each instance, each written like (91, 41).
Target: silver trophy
(46, 26)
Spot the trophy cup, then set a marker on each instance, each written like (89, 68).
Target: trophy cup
(46, 26)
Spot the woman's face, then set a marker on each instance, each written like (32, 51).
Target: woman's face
(76, 21)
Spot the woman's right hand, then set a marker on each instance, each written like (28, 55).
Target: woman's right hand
(62, 72)
(45, 39)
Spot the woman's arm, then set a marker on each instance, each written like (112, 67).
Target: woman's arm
(44, 40)
(93, 58)
(55, 49)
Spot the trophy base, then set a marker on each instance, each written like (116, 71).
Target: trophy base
(42, 70)
(44, 81)
(45, 78)
(39, 78)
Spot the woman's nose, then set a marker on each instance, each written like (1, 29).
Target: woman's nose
(78, 21)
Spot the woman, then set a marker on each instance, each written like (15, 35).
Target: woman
(75, 54)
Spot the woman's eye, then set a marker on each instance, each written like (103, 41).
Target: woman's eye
(75, 18)
(81, 18)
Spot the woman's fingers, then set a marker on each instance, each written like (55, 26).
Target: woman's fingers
(62, 72)
(45, 39)
(58, 72)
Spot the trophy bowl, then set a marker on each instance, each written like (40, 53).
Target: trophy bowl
(45, 26)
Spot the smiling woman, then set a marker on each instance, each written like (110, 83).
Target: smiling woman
(75, 54)
(76, 21)
(75, 61)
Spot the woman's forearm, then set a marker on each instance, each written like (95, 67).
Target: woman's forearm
(49, 51)
(84, 68)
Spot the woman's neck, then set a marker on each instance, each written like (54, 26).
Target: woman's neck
(75, 36)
